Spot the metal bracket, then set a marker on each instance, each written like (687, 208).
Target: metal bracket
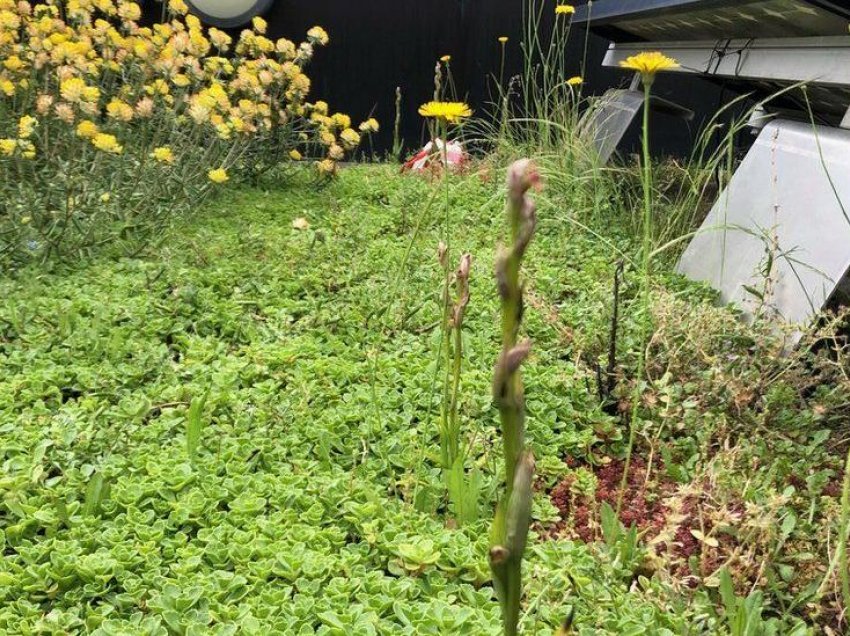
(608, 120)
(845, 121)
(784, 220)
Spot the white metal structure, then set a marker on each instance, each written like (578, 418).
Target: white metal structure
(778, 237)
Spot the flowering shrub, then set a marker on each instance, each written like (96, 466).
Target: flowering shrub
(107, 128)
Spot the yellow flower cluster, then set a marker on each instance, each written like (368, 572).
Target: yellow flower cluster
(95, 76)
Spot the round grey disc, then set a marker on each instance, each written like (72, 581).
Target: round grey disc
(228, 13)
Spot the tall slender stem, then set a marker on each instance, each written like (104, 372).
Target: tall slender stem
(644, 292)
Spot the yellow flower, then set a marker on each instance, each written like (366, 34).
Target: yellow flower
(350, 139)
(575, 81)
(259, 24)
(318, 34)
(163, 154)
(107, 143)
(87, 129)
(223, 131)
(336, 152)
(26, 126)
(129, 11)
(648, 64)
(326, 167)
(503, 39)
(64, 112)
(43, 104)
(13, 63)
(7, 147)
(72, 89)
(451, 112)
(295, 155)
(7, 87)
(565, 9)
(178, 6)
(27, 149)
(446, 59)
(371, 125)
(341, 120)
(219, 175)
(286, 48)
(144, 107)
(117, 109)
(220, 39)
(105, 197)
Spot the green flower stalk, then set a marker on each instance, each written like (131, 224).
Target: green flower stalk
(648, 65)
(453, 315)
(510, 528)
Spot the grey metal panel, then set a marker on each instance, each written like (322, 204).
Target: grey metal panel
(630, 20)
(819, 60)
(781, 192)
(607, 122)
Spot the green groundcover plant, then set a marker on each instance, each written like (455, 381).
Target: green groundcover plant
(227, 437)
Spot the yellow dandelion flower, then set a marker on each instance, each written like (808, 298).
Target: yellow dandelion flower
(565, 9)
(7, 87)
(163, 154)
(295, 155)
(87, 129)
(503, 39)
(105, 197)
(575, 81)
(107, 143)
(648, 64)
(446, 59)
(451, 112)
(218, 175)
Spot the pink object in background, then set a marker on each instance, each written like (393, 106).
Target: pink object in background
(429, 159)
